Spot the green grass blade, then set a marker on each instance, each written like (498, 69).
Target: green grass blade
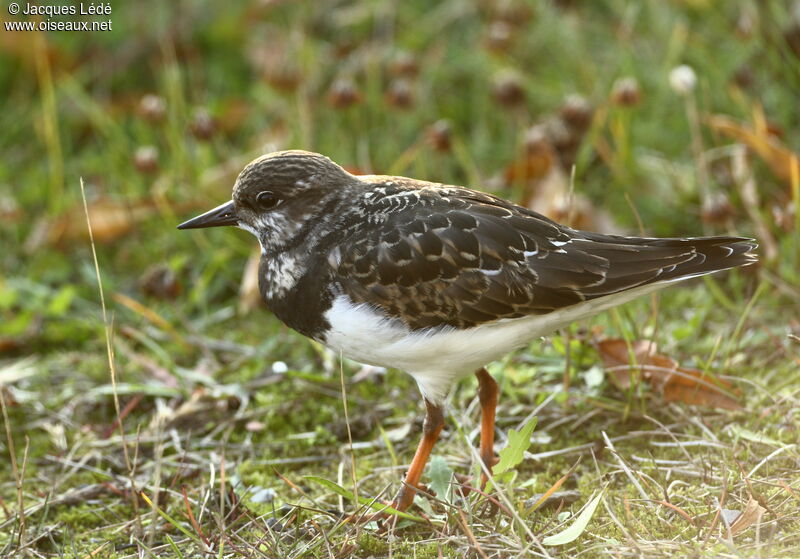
(574, 530)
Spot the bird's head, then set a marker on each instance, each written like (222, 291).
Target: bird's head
(276, 194)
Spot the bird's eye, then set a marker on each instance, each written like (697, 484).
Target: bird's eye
(267, 200)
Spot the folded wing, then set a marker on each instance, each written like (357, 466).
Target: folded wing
(447, 256)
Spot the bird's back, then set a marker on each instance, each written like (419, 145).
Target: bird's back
(435, 255)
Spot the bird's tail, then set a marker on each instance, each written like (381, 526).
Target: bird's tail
(638, 261)
(711, 254)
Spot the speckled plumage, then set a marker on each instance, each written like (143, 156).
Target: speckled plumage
(435, 279)
(433, 255)
(428, 257)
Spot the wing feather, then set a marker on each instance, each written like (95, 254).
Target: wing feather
(449, 256)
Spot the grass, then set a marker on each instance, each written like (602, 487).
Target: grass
(212, 435)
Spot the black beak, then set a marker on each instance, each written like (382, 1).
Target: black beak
(219, 216)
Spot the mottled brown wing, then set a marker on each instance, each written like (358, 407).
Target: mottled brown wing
(449, 256)
(445, 257)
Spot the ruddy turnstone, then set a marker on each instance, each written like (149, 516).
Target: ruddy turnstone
(434, 279)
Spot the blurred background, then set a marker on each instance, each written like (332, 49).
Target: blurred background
(666, 118)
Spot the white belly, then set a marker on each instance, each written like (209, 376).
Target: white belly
(437, 359)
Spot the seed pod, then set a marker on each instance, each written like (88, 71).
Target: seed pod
(746, 24)
(576, 112)
(344, 47)
(783, 214)
(439, 135)
(682, 79)
(744, 77)
(626, 92)
(717, 209)
(562, 137)
(404, 65)
(145, 158)
(283, 78)
(507, 89)
(153, 108)
(792, 37)
(400, 94)
(536, 139)
(343, 93)
(160, 282)
(499, 36)
(722, 173)
(203, 125)
(513, 13)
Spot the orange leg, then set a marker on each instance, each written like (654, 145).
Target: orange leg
(434, 421)
(487, 394)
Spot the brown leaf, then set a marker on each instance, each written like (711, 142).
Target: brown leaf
(111, 219)
(542, 175)
(751, 514)
(762, 141)
(536, 164)
(663, 374)
(615, 354)
(692, 386)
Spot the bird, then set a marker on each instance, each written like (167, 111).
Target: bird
(436, 280)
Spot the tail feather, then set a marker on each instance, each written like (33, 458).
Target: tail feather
(637, 261)
(713, 254)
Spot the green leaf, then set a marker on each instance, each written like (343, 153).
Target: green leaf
(374, 505)
(441, 476)
(577, 528)
(749, 435)
(60, 303)
(8, 296)
(514, 452)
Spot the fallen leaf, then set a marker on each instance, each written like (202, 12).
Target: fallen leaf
(542, 175)
(759, 139)
(729, 515)
(110, 219)
(538, 161)
(626, 362)
(751, 514)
